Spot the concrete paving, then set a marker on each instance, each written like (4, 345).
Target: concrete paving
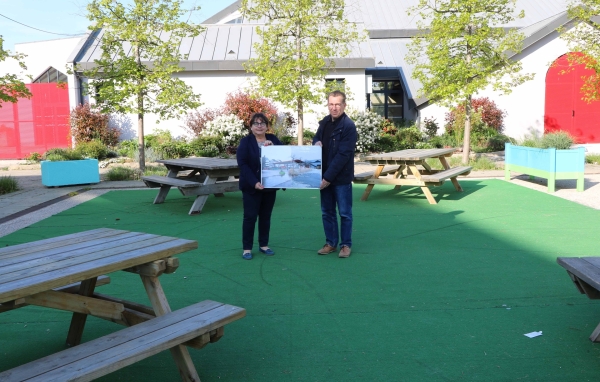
(34, 202)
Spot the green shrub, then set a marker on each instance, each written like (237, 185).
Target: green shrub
(127, 148)
(307, 134)
(174, 149)
(479, 164)
(8, 184)
(286, 139)
(592, 158)
(34, 157)
(206, 146)
(560, 140)
(59, 154)
(155, 170)
(159, 137)
(92, 149)
(150, 155)
(121, 173)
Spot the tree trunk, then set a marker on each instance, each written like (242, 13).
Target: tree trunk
(140, 129)
(467, 136)
(300, 122)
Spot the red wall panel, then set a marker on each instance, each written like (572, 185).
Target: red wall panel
(37, 124)
(564, 108)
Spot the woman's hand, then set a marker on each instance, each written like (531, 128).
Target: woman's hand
(259, 186)
(268, 143)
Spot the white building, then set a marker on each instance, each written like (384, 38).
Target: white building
(214, 67)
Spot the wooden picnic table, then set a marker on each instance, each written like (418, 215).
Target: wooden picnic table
(62, 273)
(585, 274)
(198, 177)
(409, 168)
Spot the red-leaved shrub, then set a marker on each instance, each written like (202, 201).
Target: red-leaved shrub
(491, 115)
(244, 105)
(88, 124)
(196, 121)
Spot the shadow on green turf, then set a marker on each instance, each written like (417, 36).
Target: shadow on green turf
(431, 292)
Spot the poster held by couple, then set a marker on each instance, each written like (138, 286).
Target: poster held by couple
(291, 167)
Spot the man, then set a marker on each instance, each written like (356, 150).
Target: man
(337, 137)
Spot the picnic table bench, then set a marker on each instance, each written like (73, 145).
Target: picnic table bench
(63, 272)
(197, 177)
(409, 168)
(585, 274)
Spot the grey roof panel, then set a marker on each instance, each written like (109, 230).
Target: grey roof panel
(233, 43)
(209, 45)
(245, 46)
(197, 46)
(220, 50)
(186, 45)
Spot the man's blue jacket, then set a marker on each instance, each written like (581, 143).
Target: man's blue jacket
(340, 169)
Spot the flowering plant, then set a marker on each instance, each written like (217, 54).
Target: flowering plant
(229, 127)
(368, 127)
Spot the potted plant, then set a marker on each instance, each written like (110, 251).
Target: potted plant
(549, 157)
(65, 167)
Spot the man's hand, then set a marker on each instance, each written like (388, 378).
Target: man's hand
(324, 183)
(318, 143)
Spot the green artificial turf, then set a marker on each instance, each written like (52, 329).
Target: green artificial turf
(440, 292)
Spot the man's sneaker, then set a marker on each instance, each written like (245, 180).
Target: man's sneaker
(326, 249)
(345, 251)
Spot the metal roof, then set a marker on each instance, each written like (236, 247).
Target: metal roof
(226, 46)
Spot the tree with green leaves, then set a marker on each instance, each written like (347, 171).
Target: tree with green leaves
(299, 42)
(140, 54)
(583, 41)
(11, 87)
(462, 49)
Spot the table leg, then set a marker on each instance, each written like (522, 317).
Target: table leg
(415, 171)
(399, 174)
(376, 174)
(161, 307)
(78, 319)
(162, 194)
(201, 199)
(453, 180)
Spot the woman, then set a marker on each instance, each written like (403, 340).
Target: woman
(258, 200)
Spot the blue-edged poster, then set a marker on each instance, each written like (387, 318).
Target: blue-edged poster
(291, 166)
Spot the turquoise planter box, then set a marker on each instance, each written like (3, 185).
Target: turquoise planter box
(66, 173)
(551, 164)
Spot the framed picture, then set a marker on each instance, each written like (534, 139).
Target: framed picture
(290, 166)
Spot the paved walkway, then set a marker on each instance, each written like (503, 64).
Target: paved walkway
(35, 202)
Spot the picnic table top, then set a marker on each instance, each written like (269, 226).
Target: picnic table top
(201, 163)
(34, 267)
(410, 154)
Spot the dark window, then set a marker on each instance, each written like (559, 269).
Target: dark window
(387, 99)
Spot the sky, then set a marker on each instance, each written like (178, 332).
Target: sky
(66, 18)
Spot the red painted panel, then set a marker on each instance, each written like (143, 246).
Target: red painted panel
(564, 108)
(36, 124)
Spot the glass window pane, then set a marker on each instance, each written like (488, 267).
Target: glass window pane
(378, 85)
(395, 99)
(394, 111)
(377, 99)
(379, 110)
(394, 85)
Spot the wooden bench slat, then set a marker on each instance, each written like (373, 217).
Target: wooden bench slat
(104, 355)
(446, 174)
(158, 181)
(369, 174)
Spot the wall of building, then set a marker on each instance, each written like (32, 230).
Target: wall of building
(525, 105)
(214, 87)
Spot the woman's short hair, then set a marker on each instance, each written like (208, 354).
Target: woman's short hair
(256, 116)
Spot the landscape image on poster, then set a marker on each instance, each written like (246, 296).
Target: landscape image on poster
(291, 166)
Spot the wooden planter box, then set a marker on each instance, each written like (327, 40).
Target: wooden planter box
(551, 164)
(66, 173)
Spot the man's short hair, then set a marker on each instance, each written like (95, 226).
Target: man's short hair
(337, 93)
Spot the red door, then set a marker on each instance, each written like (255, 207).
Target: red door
(565, 110)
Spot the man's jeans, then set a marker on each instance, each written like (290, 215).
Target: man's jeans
(342, 197)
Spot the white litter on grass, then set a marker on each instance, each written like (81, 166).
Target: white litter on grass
(533, 334)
